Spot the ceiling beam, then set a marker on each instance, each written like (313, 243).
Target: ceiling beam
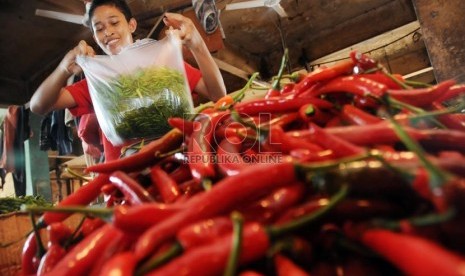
(391, 42)
(234, 58)
(232, 69)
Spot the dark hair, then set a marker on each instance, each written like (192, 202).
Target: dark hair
(119, 4)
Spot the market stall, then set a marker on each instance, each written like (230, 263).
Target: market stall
(336, 169)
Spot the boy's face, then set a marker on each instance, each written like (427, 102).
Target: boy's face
(112, 31)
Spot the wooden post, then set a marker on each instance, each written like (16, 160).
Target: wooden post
(441, 24)
(37, 167)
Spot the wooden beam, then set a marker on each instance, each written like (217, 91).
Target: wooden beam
(232, 69)
(358, 27)
(389, 42)
(243, 63)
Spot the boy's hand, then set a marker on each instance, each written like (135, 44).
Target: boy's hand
(69, 64)
(185, 29)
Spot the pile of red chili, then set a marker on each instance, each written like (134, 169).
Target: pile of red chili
(347, 170)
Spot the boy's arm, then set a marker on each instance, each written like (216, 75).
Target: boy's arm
(51, 95)
(211, 85)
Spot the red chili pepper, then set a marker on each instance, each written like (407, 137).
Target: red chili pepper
(122, 264)
(81, 258)
(288, 143)
(305, 155)
(274, 105)
(380, 133)
(229, 159)
(139, 218)
(283, 120)
(365, 103)
(54, 254)
(311, 113)
(232, 129)
(443, 139)
(354, 85)
(363, 61)
(224, 102)
(211, 259)
(272, 92)
(453, 121)
(200, 151)
(334, 122)
(133, 191)
(341, 68)
(421, 183)
(250, 273)
(421, 96)
(181, 174)
(301, 210)
(287, 88)
(383, 78)
(226, 194)
(143, 158)
(58, 233)
(414, 255)
(108, 189)
(29, 259)
(83, 196)
(203, 232)
(453, 92)
(120, 243)
(285, 267)
(167, 187)
(357, 116)
(90, 225)
(340, 147)
(305, 93)
(191, 187)
(185, 126)
(268, 208)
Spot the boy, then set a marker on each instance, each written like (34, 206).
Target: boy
(112, 26)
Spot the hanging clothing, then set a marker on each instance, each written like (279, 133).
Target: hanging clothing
(16, 130)
(55, 135)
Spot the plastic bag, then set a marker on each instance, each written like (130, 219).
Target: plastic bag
(135, 92)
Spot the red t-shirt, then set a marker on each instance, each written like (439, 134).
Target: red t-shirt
(80, 92)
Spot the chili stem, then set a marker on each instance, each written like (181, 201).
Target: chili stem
(73, 235)
(261, 133)
(207, 184)
(80, 176)
(277, 82)
(238, 225)
(40, 246)
(326, 165)
(394, 79)
(170, 153)
(240, 95)
(425, 220)
(237, 97)
(103, 213)
(416, 110)
(175, 250)
(277, 231)
(437, 176)
(417, 83)
(453, 109)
